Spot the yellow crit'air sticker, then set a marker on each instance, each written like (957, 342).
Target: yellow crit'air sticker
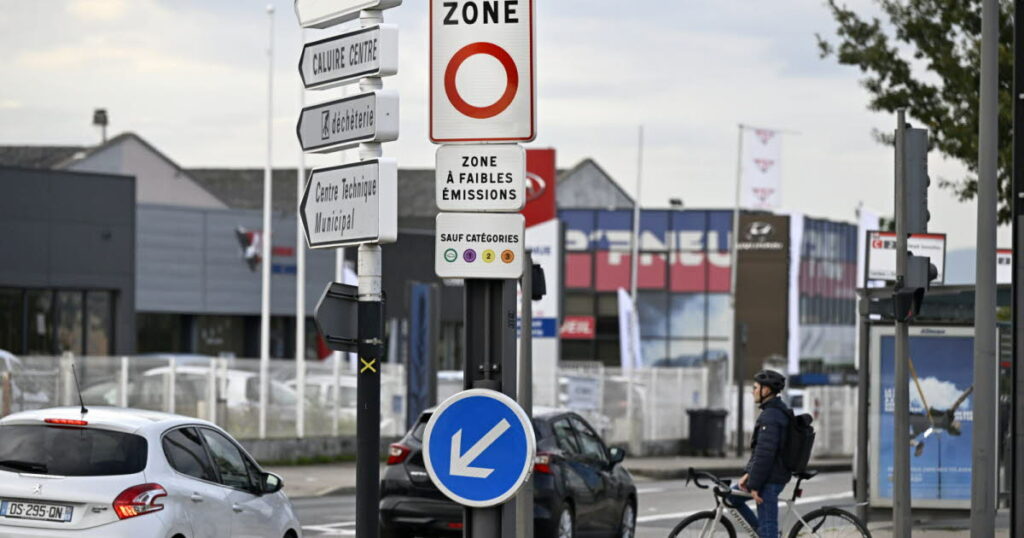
(367, 365)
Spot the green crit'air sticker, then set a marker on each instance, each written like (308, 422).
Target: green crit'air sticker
(450, 255)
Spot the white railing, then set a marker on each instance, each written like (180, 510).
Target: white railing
(626, 407)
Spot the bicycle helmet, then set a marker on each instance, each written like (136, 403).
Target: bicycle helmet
(771, 379)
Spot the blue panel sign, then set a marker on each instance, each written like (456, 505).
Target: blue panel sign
(478, 448)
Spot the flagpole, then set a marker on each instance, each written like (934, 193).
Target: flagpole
(300, 284)
(636, 214)
(733, 367)
(266, 238)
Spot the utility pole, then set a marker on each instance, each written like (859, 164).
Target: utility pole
(986, 367)
(901, 513)
(1017, 401)
(265, 237)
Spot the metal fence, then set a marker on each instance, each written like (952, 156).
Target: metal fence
(626, 407)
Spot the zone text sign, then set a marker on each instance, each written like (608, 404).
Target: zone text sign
(351, 204)
(345, 58)
(481, 177)
(479, 245)
(327, 13)
(348, 122)
(481, 71)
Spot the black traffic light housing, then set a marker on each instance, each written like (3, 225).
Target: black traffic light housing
(909, 294)
(916, 180)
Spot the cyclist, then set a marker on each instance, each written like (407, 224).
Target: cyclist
(766, 474)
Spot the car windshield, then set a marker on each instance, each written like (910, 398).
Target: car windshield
(420, 427)
(66, 451)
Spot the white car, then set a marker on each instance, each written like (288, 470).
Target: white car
(113, 473)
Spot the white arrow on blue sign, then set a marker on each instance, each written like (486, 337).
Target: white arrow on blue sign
(479, 447)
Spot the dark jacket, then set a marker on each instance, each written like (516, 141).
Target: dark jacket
(765, 465)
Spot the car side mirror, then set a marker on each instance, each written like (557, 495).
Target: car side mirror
(616, 455)
(272, 483)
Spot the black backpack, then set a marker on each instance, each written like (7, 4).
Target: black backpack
(796, 452)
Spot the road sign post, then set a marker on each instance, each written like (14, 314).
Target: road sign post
(482, 90)
(353, 204)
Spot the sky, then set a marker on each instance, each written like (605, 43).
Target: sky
(191, 77)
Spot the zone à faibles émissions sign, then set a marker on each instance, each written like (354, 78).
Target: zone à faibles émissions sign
(481, 71)
(479, 245)
(480, 177)
(351, 204)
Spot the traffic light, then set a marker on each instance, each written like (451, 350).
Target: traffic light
(907, 298)
(916, 180)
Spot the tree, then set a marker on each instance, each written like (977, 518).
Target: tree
(927, 59)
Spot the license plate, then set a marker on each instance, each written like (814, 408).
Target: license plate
(36, 511)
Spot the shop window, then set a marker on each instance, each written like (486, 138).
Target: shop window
(70, 324)
(12, 311)
(100, 314)
(652, 311)
(608, 304)
(40, 322)
(719, 315)
(220, 335)
(654, 351)
(579, 304)
(686, 352)
(608, 352)
(159, 333)
(687, 315)
(577, 350)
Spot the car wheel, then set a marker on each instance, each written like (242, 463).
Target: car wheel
(565, 525)
(627, 525)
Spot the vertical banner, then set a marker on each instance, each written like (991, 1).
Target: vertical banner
(629, 333)
(544, 240)
(1004, 266)
(421, 376)
(796, 243)
(762, 290)
(761, 169)
(941, 415)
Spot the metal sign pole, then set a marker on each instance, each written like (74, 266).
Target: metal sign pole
(1017, 401)
(986, 367)
(861, 455)
(371, 345)
(901, 513)
(524, 512)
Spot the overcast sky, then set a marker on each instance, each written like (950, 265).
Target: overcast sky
(190, 76)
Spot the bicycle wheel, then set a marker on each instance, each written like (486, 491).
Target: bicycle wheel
(702, 525)
(829, 522)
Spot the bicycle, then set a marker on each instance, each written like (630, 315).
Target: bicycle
(825, 522)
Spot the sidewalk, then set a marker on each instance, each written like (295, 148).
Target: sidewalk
(340, 478)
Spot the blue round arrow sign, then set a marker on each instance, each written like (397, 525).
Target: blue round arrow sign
(479, 447)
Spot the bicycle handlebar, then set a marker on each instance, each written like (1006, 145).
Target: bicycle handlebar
(695, 476)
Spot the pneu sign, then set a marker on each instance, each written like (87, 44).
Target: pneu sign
(481, 71)
(478, 448)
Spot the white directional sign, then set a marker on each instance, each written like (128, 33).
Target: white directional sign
(351, 204)
(347, 57)
(347, 122)
(479, 245)
(478, 447)
(481, 177)
(481, 71)
(325, 13)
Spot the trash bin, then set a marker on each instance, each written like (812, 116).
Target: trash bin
(707, 431)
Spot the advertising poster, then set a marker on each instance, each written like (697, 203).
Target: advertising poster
(941, 416)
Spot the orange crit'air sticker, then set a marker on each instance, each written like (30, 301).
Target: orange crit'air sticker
(488, 256)
(508, 256)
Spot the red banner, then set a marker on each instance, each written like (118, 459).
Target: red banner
(541, 177)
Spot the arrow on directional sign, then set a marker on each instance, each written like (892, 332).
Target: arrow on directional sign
(348, 122)
(325, 13)
(460, 463)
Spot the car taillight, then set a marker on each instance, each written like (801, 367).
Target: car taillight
(397, 453)
(139, 500)
(66, 422)
(454, 525)
(542, 462)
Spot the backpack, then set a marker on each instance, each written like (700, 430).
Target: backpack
(796, 451)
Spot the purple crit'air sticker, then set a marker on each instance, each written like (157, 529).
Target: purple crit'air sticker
(469, 255)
